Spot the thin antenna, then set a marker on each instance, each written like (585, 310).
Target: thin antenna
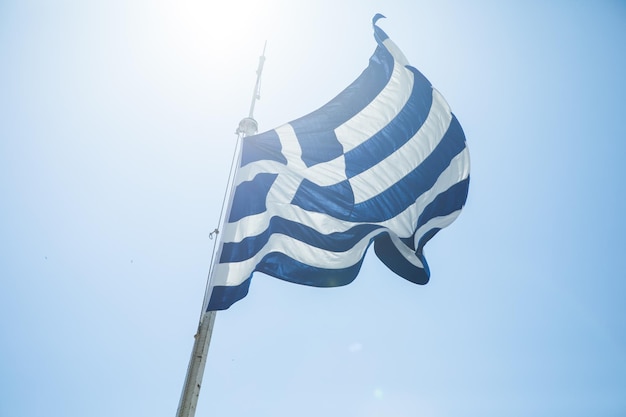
(257, 88)
(249, 126)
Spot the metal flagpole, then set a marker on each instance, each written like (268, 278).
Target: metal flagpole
(195, 371)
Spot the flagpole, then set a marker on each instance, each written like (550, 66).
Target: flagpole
(195, 370)
(202, 339)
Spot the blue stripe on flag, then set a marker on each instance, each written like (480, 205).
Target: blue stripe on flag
(404, 126)
(315, 131)
(223, 296)
(387, 252)
(285, 268)
(335, 242)
(246, 201)
(282, 266)
(265, 146)
(424, 240)
(379, 34)
(445, 203)
(393, 200)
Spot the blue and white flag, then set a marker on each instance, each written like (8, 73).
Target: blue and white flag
(385, 161)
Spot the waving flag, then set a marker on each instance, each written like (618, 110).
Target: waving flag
(385, 161)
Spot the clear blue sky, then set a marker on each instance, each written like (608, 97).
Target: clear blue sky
(116, 133)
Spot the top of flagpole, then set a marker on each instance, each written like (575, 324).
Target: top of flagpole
(257, 88)
(248, 126)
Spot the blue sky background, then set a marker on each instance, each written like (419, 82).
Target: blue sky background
(116, 133)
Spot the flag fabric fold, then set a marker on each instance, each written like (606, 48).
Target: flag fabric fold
(384, 162)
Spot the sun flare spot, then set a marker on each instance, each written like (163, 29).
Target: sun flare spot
(355, 347)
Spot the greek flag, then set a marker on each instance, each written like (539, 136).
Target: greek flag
(385, 162)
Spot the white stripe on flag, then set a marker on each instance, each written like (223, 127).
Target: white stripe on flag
(235, 273)
(403, 224)
(435, 223)
(379, 112)
(404, 160)
(397, 54)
